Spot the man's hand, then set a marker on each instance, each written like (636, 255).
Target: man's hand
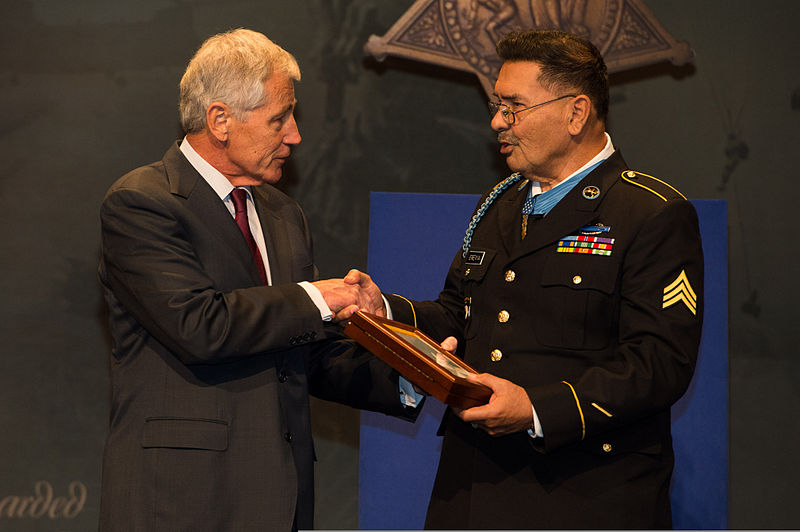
(508, 411)
(341, 297)
(355, 292)
(449, 344)
(371, 299)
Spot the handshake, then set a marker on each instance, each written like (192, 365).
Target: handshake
(356, 291)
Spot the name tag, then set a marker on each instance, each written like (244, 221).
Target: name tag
(475, 258)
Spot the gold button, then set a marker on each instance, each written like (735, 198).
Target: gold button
(606, 447)
(467, 272)
(630, 173)
(510, 276)
(496, 355)
(577, 279)
(503, 316)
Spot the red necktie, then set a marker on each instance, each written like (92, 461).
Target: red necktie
(239, 197)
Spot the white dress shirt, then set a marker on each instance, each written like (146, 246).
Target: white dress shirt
(223, 187)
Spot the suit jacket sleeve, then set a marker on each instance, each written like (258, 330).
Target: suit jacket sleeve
(170, 273)
(342, 371)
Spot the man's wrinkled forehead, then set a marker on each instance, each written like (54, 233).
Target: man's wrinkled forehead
(517, 80)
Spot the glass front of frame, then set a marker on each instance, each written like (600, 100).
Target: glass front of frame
(432, 351)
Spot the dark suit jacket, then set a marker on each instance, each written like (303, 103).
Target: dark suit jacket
(211, 372)
(593, 340)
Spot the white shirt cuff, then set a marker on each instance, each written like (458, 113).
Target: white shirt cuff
(316, 296)
(388, 308)
(536, 431)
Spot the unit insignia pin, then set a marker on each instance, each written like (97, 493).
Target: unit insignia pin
(591, 192)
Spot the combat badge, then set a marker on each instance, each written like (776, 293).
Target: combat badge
(680, 291)
(594, 229)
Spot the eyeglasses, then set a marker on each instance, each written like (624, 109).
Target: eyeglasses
(511, 116)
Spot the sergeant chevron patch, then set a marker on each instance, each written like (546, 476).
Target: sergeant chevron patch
(680, 291)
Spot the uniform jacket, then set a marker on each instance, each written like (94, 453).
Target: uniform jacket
(603, 343)
(210, 371)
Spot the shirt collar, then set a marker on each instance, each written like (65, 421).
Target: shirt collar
(605, 153)
(213, 177)
(544, 201)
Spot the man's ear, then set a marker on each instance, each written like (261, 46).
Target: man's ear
(580, 110)
(218, 116)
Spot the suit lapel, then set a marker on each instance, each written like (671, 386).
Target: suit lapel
(275, 237)
(573, 211)
(201, 199)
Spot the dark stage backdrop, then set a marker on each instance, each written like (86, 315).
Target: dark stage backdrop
(90, 90)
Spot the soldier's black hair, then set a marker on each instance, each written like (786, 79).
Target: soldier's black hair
(566, 61)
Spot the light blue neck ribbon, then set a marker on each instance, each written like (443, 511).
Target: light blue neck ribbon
(542, 203)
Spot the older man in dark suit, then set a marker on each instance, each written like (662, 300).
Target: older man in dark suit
(219, 326)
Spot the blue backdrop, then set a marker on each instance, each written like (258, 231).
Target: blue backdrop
(413, 238)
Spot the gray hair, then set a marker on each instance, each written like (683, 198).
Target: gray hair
(231, 67)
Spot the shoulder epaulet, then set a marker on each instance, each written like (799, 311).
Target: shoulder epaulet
(654, 185)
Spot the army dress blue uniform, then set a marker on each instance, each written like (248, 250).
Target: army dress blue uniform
(597, 314)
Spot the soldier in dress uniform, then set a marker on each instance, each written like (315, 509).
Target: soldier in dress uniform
(578, 296)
